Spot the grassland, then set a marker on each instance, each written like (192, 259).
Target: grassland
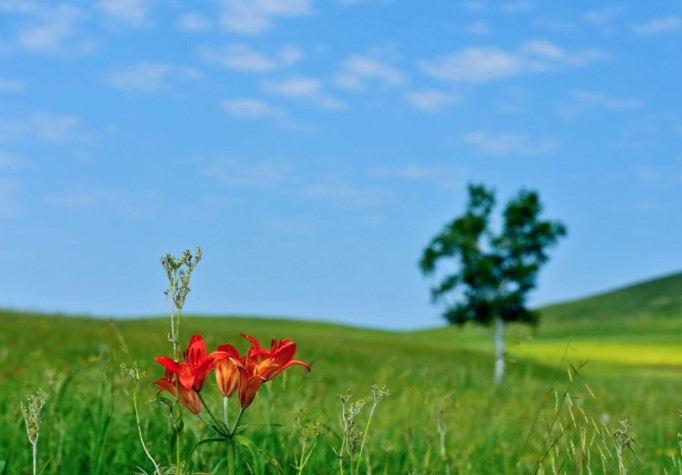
(443, 414)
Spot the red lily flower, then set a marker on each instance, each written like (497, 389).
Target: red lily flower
(270, 363)
(227, 371)
(261, 365)
(193, 371)
(166, 383)
(248, 387)
(188, 397)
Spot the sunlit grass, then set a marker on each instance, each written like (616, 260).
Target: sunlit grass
(663, 355)
(440, 383)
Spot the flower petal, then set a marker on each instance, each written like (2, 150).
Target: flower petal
(196, 351)
(169, 364)
(253, 341)
(229, 349)
(164, 385)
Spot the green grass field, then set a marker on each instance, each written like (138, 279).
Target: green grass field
(443, 414)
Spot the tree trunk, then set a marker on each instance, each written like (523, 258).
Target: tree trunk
(499, 351)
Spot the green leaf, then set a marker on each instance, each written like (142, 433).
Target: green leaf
(249, 444)
(44, 466)
(196, 446)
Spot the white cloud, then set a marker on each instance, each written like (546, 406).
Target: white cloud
(656, 26)
(286, 226)
(431, 100)
(54, 32)
(584, 101)
(251, 109)
(482, 64)
(54, 128)
(12, 129)
(136, 204)
(9, 206)
(306, 88)
(556, 26)
(42, 126)
(12, 162)
(602, 17)
(11, 85)
(475, 6)
(477, 28)
(288, 55)
(241, 57)
(355, 2)
(357, 70)
(194, 22)
(346, 192)
(650, 176)
(235, 173)
(74, 200)
(473, 65)
(19, 6)
(544, 55)
(133, 13)
(517, 7)
(602, 100)
(507, 143)
(5, 48)
(148, 76)
(253, 17)
(447, 176)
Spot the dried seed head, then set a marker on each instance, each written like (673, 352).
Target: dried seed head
(345, 397)
(179, 271)
(354, 438)
(31, 411)
(379, 393)
(623, 435)
(309, 430)
(355, 408)
(133, 371)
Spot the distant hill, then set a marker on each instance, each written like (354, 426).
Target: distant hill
(653, 306)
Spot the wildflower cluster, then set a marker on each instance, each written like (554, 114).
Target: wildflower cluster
(244, 374)
(186, 373)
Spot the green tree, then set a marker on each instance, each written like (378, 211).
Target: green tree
(493, 272)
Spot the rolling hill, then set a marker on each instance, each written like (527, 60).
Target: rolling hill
(649, 307)
(438, 378)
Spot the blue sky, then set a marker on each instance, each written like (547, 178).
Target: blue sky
(313, 148)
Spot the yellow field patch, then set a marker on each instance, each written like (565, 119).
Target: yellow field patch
(636, 354)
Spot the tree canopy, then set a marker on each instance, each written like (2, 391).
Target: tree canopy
(494, 272)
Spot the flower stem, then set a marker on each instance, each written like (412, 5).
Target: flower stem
(236, 423)
(226, 414)
(215, 425)
(176, 428)
(231, 459)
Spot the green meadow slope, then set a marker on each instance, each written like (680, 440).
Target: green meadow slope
(440, 380)
(639, 325)
(646, 308)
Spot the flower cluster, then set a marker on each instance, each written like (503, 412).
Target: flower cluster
(233, 372)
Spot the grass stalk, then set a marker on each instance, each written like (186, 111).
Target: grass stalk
(139, 432)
